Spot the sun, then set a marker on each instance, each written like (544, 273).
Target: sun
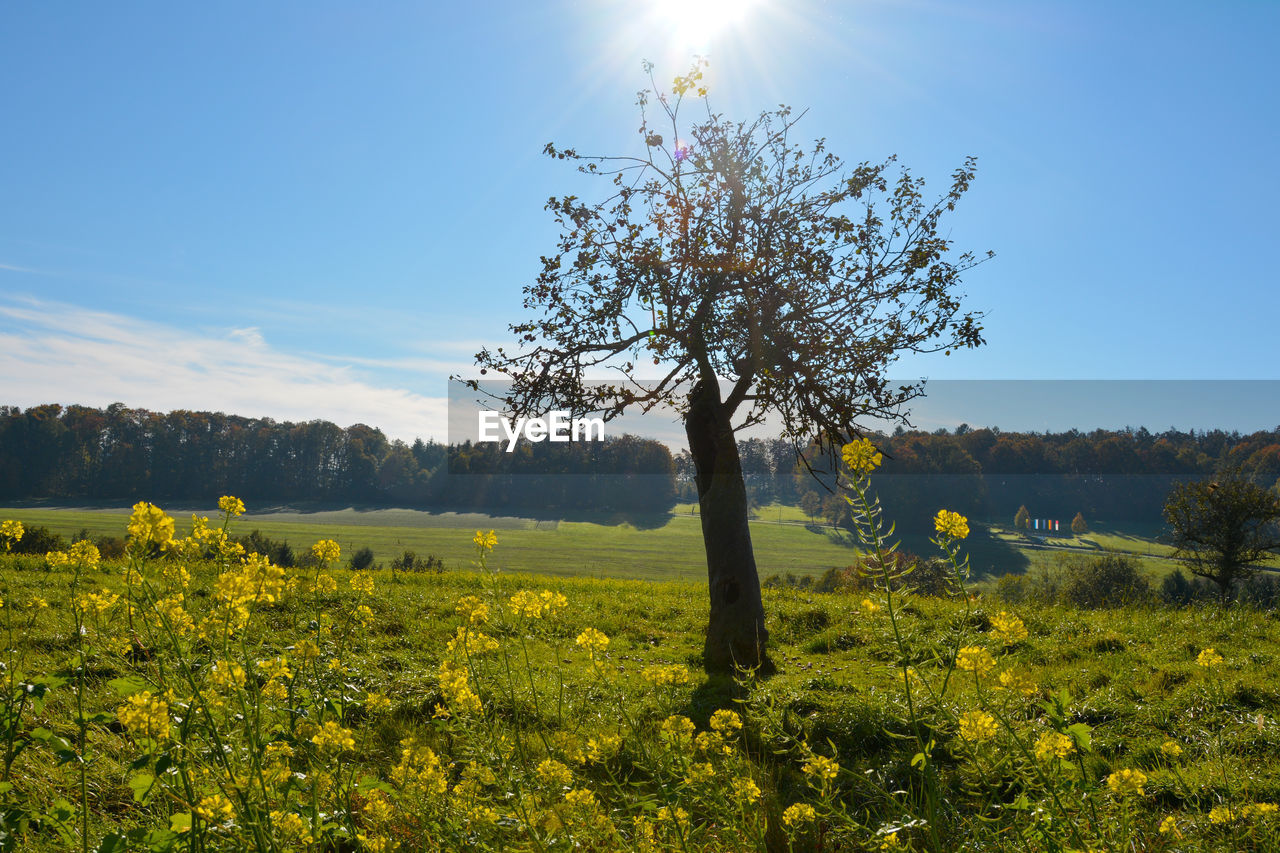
(696, 23)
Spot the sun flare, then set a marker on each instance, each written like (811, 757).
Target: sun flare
(695, 23)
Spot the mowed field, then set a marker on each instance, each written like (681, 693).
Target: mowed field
(667, 548)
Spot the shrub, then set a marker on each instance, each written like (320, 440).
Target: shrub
(411, 562)
(361, 559)
(279, 552)
(1112, 580)
(39, 540)
(1013, 588)
(1079, 525)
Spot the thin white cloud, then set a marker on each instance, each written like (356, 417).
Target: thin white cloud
(14, 268)
(55, 353)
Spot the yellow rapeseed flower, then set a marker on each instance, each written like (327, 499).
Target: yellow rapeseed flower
(821, 768)
(326, 551)
(362, 583)
(146, 715)
(861, 456)
(594, 641)
(11, 532)
(325, 584)
(1051, 745)
(726, 722)
(485, 541)
(215, 808)
(85, 553)
(1169, 826)
(745, 789)
(334, 738)
(869, 607)
(951, 525)
(231, 505)
(1017, 682)
(700, 773)
(1127, 782)
(149, 524)
(472, 609)
(554, 774)
(975, 659)
(1008, 628)
(526, 603)
(1171, 748)
(1209, 659)
(600, 749)
(798, 815)
(977, 726)
(667, 676)
(677, 730)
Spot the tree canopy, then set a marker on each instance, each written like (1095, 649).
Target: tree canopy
(1224, 528)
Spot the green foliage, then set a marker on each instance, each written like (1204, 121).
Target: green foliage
(1079, 525)
(361, 559)
(1022, 519)
(1225, 528)
(1112, 580)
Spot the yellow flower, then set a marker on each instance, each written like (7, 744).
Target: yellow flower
(98, 603)
(595, 642)
(215, 808)
(1221, 814)
(554, 774)
(326, 551)
(1208, 659)
(1260, 809)
(483, 815)
(821, 768)
(1017, 682)
(667, 676)
(224, 674)
(1169, 826)
(1052, 745)
(677, 730)
(472, 609)
(231, 506)
(146, 715)
(1171, 749)
(362, 583)
(150, 524)
(485, 541)
(457, 691)
(745, 789)
(977, 726)
(601, 749)
(334, 738)
(975, 659)
(700, 773)
(951, 525)
(326, 585)
(861, 456)
(1008, 628)
(1127, 782)
(291, 826)
(85, 553)
(553, 602)
(419, 770)
(473, 642)
(678, 816)
(798, 814)
(869, 607)
(527, 604)
(726, 722)
(277, 668)
(11, 531)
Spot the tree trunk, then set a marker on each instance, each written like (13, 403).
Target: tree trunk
(736, 636)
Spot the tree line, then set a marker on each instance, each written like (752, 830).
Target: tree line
(116, 453)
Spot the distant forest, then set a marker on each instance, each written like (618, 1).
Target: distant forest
(77, 452)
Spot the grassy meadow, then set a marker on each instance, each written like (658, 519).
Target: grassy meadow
(190, 698)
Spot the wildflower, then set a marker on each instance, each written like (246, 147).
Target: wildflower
(1171, 749)
(527, 604)
(149, 524)
(485, 541)
(975, 659)
(798, 814)
(146, 715)
(362, 583)
(484, 815)
(215, 808)
(595, 642)
(98, 603)
(176, 576)
(11, 532)
(230, 505)
(376, 702)
(457, 692)
(951, 525)
(726, 722)
(1219, 815)
(325, 585)
(861, 456)
(1017, 682)
(601, 749)
(678, 816)
(553, 602)
(37, 602)
(667, 676)
(1127, 782)
(291, 826)
(821, 768)
(474, 642)
(1260, 809)
(554, 774)
(1208, 659)
(277, 668)
(1008, 628)
(365, 615)
(55, 559)
(224, 674)
(85, 553)
(700, 773)
(869, 607)
(326, 551)
(175, 615)
(677, 729)
(334, 738)
(1052, 745)
(419, 770)
(745, 789)
(472, 609)
(1169, 826)
(977, 726)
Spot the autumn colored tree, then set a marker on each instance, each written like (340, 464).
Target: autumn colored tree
(1224, 528)
(1079, 525)
(749, 274)
(1022, 520)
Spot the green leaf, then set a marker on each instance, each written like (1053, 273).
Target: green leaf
(181, 822)
(1082, 735)
(114, 843)
(141, 785)
(127, 685)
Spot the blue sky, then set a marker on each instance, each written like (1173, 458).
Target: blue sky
(321, 209)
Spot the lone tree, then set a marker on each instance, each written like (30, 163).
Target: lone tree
(1079, 525)
(1223, 529)
(1022, 518)
(724, 252)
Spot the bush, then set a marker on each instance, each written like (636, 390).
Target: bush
(277, 552)
(1112, 580)
(411, 562)
(361, 559)
(1015, 589)
(39, 540)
